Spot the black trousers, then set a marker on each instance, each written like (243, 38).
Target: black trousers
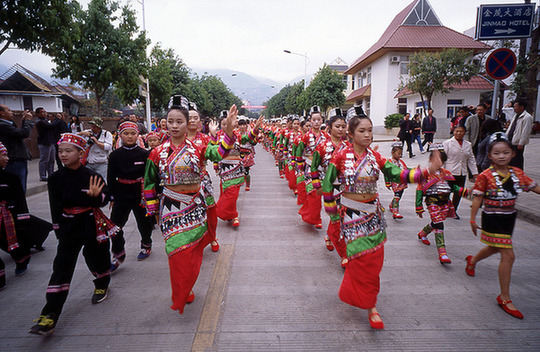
(460, 181)
(407, 139)
(428, 138)
(75, 233)
(518, 160)
(21, 255)
(120, 214)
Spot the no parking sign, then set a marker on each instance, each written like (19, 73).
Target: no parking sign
(501, 63)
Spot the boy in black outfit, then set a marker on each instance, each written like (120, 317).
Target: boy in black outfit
(125, 179)
(76, 194)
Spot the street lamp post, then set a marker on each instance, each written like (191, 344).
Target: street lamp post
(148, 110)
(306, 62)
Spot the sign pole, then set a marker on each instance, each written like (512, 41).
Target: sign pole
(495, 102)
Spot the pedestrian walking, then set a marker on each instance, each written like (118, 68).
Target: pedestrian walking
(76, 194)
(46, 144)
(405, 133)
(416, 131)
(125, 177)
(99, 146)
(519, 132)
(12, 138)
(497, 189)
(429, 127)
(176, 166)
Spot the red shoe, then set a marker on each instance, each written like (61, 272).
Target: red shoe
(513, 312)
(344, 262)
(329, 244)
(443, 258)
(375, 324)
(423, 238)
(469, 269)
(215, 246)
(236, 222)
(190, 297)
(247, 188)
(398, 216)
(318, 226)
(295, 192)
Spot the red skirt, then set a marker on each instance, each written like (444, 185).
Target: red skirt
(226, 205)
(184, 268)
(334, 233)
(302, 195)
(361, 283)
(211, 220)
(311, 209)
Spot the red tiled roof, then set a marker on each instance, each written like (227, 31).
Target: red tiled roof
(399, 37)
(476, 83)
(360, 92)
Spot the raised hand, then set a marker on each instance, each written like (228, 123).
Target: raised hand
(231, 120)
(95, 187)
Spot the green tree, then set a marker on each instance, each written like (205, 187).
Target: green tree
(326, 90)
(32, 25)
(292, 105)
(432, 73)
(107, 54)
(217, 95)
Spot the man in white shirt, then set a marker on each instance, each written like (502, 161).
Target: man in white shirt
(460, 156)
(519, 132)
(100, 142)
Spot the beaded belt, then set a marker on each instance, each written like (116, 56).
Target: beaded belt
(360, 206)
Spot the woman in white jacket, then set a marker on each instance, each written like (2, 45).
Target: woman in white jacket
(460, 157)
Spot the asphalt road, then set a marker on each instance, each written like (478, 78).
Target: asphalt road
(273, 287)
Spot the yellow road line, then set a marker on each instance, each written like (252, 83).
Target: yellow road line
(206, 331)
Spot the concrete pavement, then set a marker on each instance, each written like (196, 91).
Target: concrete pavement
(273, 287)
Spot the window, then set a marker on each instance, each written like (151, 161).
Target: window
(368, 106)
(344, 77)
(453, 106)
(368, 75)
(352, 82)
(27, 103)
(404, 68)
(402, 106)
(360, 79)
(420, 107)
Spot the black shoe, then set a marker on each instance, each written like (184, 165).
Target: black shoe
(20, 271)
(43, 180)
(457, 217)
(45, 325)
(99, 295)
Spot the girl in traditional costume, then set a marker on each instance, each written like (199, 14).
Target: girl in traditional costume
(360, 214)
(396, 187)
(177, 166)
(305, 127)
(497, 188)
(321, 159)
(311, 209)
(437, 188)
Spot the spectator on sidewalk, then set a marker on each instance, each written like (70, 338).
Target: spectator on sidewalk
(459, 157)
(75, 125)
(12, 138)
(46, 143)
(60, 127)
(489, 127)
(404, 135)
(416, 130)
(100, 145)
(473, 126)
(429, 127)
(519, 132)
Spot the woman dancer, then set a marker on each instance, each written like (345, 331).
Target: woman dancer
(290, 148)
(321, 158)
(305, 127)
(201, 140)
(247, 151)
(311, 209)
(396, 187)
(177, 165)
(231, 174)
(360, 214)
(497, 189)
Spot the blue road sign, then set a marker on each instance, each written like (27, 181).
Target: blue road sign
(509, 21)
(501, 63)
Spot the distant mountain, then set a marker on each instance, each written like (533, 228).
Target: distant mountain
(254, 89)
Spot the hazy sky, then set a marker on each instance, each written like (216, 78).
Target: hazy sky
(250, 36)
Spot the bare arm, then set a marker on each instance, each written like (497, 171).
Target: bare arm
(476, 204)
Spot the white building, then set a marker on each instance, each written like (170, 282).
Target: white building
(376, 75)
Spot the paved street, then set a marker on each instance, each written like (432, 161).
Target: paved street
(273, 287)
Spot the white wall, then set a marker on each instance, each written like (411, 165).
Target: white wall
(50, 104)
(13, 102)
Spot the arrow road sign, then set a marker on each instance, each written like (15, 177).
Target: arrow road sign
(508, 21)
(501, 63)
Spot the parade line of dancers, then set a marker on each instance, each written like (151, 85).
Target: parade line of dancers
(330, 164)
